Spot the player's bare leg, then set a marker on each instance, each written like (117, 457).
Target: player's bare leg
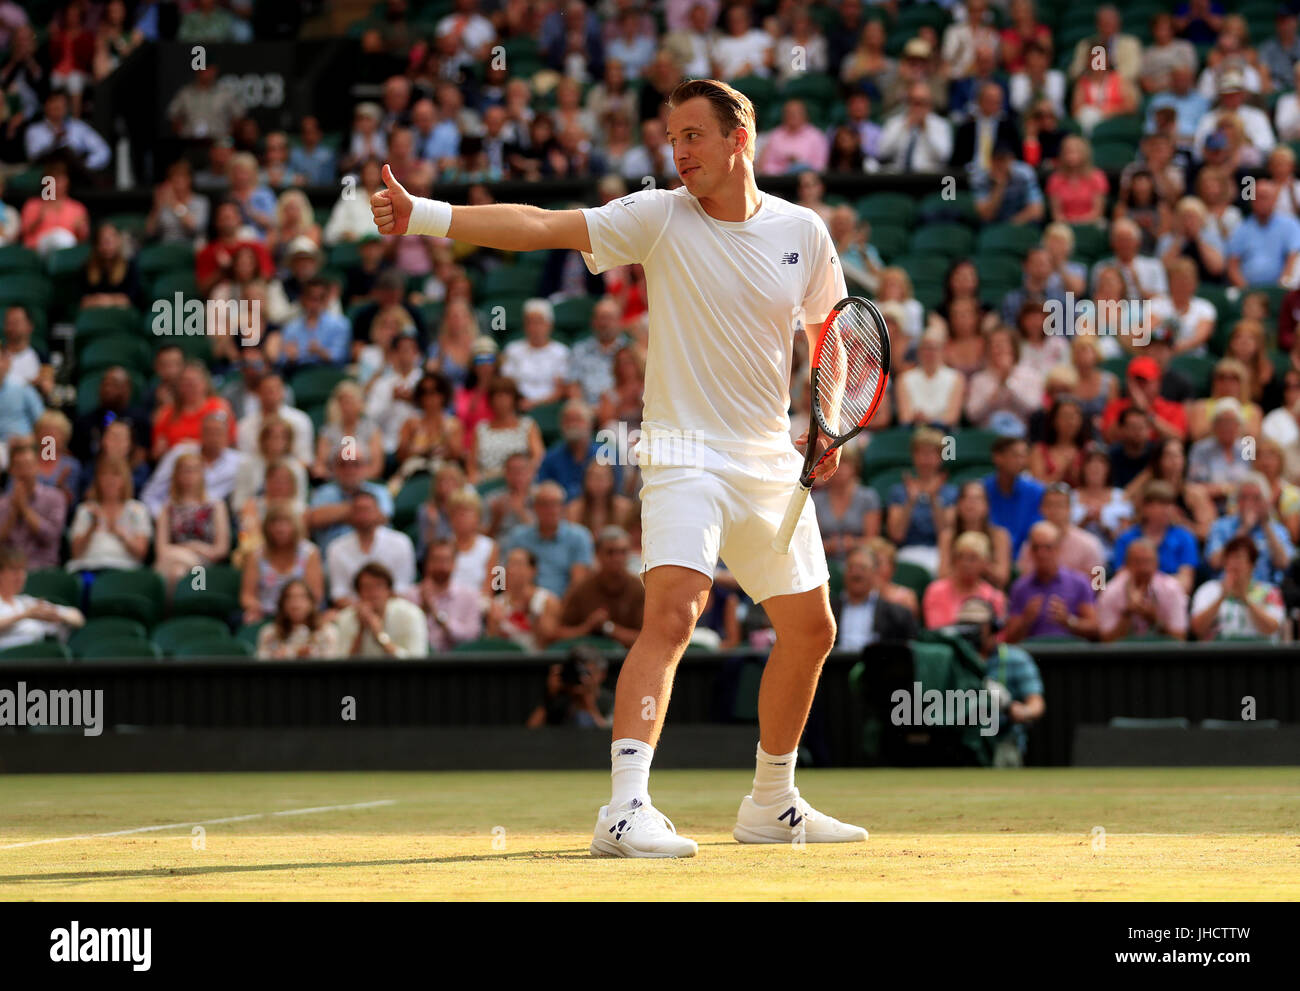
(630, 826)
(774, 812)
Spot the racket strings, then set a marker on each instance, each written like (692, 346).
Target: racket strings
(849, 371)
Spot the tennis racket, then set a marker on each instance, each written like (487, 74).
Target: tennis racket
(850, 368)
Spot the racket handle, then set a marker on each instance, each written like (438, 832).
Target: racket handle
(785, 533)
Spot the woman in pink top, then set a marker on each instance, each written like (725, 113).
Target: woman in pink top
(943, 598)
(1077, 189)
(60, 222)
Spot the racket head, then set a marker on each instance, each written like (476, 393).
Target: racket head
(850, 367)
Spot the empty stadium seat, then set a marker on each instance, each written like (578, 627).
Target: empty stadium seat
(40, 652)
(415, 490)
(312, 386)
(136, 593)
(171, 635)
(950, 240)
(54, 585)
(887, 449)
(887, 208)
(117, 649)
(487, 645)
(219, 596)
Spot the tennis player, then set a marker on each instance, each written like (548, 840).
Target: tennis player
(732, 274)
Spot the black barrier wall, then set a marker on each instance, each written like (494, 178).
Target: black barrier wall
(1084, 686)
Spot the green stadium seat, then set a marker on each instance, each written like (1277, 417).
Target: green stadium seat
(1112, 156)
(30, 288)
(16, 258)
(924, 268)
(115, 349)
(345, 254)
(509, 280)
(40, 652)
(312, 386)
(889, 240)
(130, 224)
(912, 576)
(816, 89)
(487, 645)
(226, 646)
(887, 449)
(54, 585)
(949, 240)
(489, 485)
(1126, 128)
(915, 17)
(761, 92)
(1118, 366)
(1197, 369)
(171, 635)
(970, 473)
(67, 261)
(887, 208)
(937, 208)
(573, 316)
(973, 446)
(432, 314)
(745, 706)
(1091, 243)
(1014, 240)
(136, 593)
(118, 649)
(155, 259)
(547, 418)
(415, 491)
(219, 596)
(106, 628)
(999, 270)
(249, 632)
(100, 321)
(169, 283)
(836, 580)
(883, 481)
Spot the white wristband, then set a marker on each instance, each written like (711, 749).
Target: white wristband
(431, 217)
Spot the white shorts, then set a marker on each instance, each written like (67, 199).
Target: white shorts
(731, 509)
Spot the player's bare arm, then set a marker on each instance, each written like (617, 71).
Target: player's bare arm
(504, 226)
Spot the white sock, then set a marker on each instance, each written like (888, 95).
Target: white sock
(630, 771)
(773, 776)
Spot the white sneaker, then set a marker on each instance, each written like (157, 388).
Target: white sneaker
(638, 829)
(791, 821)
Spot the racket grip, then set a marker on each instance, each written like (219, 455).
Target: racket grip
(785, 533)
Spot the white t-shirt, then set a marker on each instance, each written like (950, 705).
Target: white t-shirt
(929, 395)
(470, 568)
(1233, 618)
(1198, 310)
(726, 299)
(535, 370)
(391, 548)
(732, 54)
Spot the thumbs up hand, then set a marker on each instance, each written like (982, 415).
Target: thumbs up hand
(391, 206)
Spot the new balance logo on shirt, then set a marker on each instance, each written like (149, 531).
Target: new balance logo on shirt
(790, 258)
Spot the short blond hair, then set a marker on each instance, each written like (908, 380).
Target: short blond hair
(732, 107)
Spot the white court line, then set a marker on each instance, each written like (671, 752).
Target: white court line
(202, 822)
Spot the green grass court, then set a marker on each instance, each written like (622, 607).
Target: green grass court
(1192, 834)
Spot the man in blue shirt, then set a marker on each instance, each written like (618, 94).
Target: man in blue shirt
(1175, 545)
(1254, 520)
(1007, 192)
(567, 459)
(1014, 497)
(1189, 105)
(331, 504)
(318, 336)
(310, 160)
(1265, 244)
(563, 550)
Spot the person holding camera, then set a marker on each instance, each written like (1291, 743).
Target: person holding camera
(575, 693)
(1012, 676)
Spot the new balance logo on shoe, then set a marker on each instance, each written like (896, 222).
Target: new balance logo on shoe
(634, 804)
(790, 258)
(618, 829)
(795, 817)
